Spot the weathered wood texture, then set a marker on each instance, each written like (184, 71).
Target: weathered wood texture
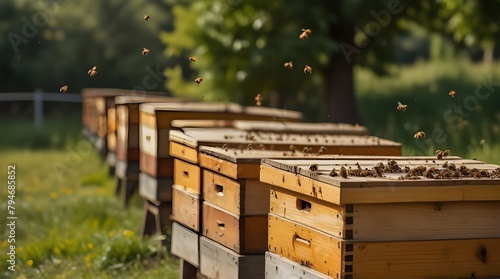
(186, 207)
(243, 197)
(155, 189)
(185, 244)
(278, 267)
(218, 262)
(242, 234)
(187, 175)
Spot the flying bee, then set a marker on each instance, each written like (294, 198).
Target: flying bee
(147, 18)
(145, 51)
(401, 107)
(419, 135)
(308, 69)
(92, 72)
(198, 80)
(258, 99)
(192, 59)
(63, 89)
(452, 93)
(305, 34)
(440, 154)
(288, 65)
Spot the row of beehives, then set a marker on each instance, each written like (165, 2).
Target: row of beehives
(297, 216)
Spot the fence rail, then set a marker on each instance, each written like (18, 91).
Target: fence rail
(38, 97)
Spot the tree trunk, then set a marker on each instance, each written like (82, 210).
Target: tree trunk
(339, 95)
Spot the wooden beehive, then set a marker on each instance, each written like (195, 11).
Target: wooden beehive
(127, 140)
(184, 147)
(155, 124)
(391, 217)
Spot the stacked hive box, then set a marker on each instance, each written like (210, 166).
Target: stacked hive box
(127, 141)
(156, 164)
(99, 119)
(401, 217)
(228, 206)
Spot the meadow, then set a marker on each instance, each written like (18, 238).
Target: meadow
(70, 224)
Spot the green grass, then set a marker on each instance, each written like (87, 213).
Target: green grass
(69, 223)
(424, 88)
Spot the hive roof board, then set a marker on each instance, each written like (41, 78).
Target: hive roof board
(404, 179)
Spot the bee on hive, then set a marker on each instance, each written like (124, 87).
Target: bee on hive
(305, 34)
(313, 167)
(419, 135)
(401, 107)
(440, 154)
(343, 172)
(92, 72)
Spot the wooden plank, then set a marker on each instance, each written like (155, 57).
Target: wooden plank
(278, 267)
(183, 152)
(218, 262)
(156, 167)
(306, 246)
(187, 175)
(200, 123)
(425, 221)
(427, 259)
(306, 210)
(256, 198)
(186, 208)
(127, 170)
(300, 127)
(242, 234)
(185, 244)
(300, 184)
(155, 189)
(148, 140)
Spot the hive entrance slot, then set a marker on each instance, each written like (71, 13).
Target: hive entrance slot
(185, 173)
(303, 205)
(219, 189)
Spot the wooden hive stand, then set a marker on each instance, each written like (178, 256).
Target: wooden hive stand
(156, 162)
(385, 217)
(127, 141)
(217, 194)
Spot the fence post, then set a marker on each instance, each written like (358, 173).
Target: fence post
(38, 100)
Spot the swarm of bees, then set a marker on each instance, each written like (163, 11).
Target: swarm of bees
(198, 80)
(258, 99)
(145, 51)
(419, 135)
(288, 65)
(440, 154)
(92, 72)
(401, 107)
(63, 89)
(192, 59)
(308, 69)
(452, 93)
(305, 34)
(147, 18)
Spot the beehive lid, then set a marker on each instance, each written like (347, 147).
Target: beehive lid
(334, 144)
(110, 92)
(222, 107)
(300, 127)
(138, 99)
(200, 123)
(404, 179)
